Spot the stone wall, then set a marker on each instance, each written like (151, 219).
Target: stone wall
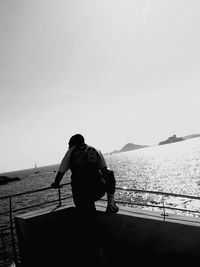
(66, 237)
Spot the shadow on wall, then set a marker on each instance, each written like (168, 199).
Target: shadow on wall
(68, 237)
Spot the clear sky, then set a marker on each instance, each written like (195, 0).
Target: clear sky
(115, 71)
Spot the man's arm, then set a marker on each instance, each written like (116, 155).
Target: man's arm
(64, 167)
(101, 161)
(58, 178)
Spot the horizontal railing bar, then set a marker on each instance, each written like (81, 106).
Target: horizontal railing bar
(156, 206)
(119, 188)
(156, 192)
(139, 204)
(32, 191)
(66, 197)
(123, 202)
(184, 210)
(37, 205)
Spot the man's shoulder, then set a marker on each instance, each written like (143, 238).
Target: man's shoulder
(92, 148)
(87, 149)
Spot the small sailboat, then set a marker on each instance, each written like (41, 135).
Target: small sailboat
(36, 169)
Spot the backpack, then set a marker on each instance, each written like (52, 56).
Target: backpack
(84, 159)
(86, 177)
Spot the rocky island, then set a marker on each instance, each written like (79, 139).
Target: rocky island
(6, 179)
(171, 139)
(174, 138)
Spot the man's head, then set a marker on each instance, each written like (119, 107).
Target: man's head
(76, 140)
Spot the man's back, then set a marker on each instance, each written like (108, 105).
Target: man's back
(85, 160)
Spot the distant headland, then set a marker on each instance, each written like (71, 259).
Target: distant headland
(171, 139)
(128, 147)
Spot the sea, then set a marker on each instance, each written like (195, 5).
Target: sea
(171, 168)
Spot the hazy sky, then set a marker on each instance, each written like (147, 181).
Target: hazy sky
(115, 71)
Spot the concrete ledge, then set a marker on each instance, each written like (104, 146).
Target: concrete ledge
(52, 237)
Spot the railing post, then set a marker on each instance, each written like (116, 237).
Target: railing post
(59, 196)
(12, 232)
(164, 213)
(4, 246)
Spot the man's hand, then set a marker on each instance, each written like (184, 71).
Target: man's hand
(56, 183)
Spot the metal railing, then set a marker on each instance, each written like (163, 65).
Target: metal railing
(9, 250)
(163, 205)
(10, 229)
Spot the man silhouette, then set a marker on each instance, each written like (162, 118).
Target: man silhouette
(90, 178)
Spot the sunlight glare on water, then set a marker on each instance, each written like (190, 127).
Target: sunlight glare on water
(171, 168)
